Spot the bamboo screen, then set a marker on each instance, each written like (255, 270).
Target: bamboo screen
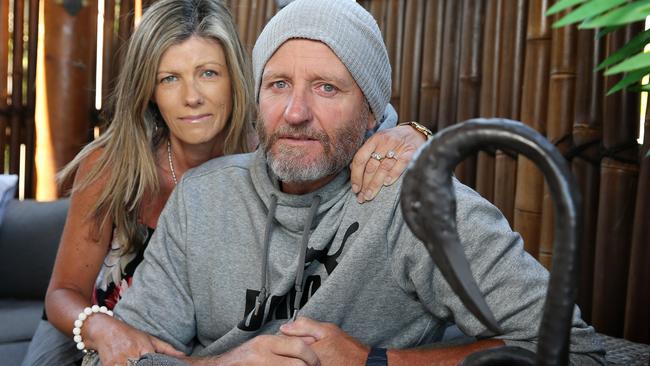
(18, 36)
(457, 59)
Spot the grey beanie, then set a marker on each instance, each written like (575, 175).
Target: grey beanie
(349, 31)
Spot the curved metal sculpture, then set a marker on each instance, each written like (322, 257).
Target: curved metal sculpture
(429, 207)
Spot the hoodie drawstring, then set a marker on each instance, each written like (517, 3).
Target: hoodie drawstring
(261, 297)
(265, 258)
(301, 258)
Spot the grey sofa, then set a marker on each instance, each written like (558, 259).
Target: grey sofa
(29, 238)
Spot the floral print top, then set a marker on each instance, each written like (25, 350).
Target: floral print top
(117, 271)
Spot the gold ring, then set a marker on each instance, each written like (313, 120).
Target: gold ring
(377, 156)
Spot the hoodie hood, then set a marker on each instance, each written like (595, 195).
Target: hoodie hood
(292, 209)
(295, 214)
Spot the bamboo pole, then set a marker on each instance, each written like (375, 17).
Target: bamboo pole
(637, 316)
(412, 59)
(271, 9)
(489, 91)
(4, 75)
(394, 31)
(69, 47)
(124, 31)
(127, 9)
(534, 102)
(509, 100)
(450, 66)
(587, 134)
(469, 79)
(30, 150)
(560, 118)
(431, 63)
(619, 172)
(378, 10)
(241, 12)
(257, 8)
(17, 110)
(260, 19)
(108, 53)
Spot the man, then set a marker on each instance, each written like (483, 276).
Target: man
(249, 243)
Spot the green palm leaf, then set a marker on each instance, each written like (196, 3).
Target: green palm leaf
(632, 12)
(634, 46)
(607, 30)
(630, 78)
(637, 62)
(561, 5)
(587, 10)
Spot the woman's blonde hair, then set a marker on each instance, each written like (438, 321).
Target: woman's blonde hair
(136, 129)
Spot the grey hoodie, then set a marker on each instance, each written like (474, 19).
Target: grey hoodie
(363, 270)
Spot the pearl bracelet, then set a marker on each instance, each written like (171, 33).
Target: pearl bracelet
(76, 331)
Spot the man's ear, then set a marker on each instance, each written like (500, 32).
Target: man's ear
(372, 123)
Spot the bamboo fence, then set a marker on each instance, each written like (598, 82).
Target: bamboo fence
(618, 185)
(451, 60)
(530, 182)
(18, 37)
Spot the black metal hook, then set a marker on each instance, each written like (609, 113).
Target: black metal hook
(429, 207)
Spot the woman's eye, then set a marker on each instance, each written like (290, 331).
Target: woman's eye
(210, 73)
(167, 79)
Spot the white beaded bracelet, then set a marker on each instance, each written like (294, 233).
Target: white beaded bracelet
(76, 331)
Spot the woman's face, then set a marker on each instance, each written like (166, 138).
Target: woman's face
(193, 92)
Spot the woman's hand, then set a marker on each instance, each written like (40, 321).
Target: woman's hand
(374, 166)
(116, 342)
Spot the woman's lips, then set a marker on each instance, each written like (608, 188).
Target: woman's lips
(195, 118)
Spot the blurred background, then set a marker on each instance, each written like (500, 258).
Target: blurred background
(452, 60)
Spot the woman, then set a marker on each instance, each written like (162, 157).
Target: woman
(184, 96)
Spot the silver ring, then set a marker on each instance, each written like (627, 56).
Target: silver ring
(132, 361)
(391, 154)
(377, 156)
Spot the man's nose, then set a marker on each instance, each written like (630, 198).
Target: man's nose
(192, 94)
(298, 108)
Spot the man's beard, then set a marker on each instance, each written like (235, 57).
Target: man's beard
(287, 162)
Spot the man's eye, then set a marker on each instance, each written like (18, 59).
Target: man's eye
(328, 88)
(280, 84)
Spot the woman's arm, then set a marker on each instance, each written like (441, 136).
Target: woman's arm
(80, 255)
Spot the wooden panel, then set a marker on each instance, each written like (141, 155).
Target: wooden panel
(469, 80)
(70, 42)
(587, 134)
(534, 102)
(393, 34)
(560, 117)
(616, 200)
(29, 127)
(412, 58)
(16, 87)
(509, 99)
(617, 182)
(4, 69)
(450, 57)
(637, 315)
(489, 91)
(431, 63)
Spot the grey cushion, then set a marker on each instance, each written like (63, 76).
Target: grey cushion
(29, 238)
(19, 319)
(13, 353)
